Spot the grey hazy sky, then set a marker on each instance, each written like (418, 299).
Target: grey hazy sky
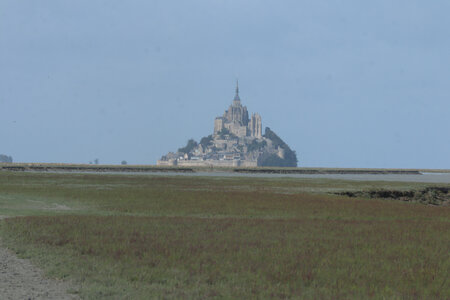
(345, 83)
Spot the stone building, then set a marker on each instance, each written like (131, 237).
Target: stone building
(237, 122)
(237, 141)
(255, 126)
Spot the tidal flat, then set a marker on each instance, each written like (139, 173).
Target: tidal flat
(155, 236)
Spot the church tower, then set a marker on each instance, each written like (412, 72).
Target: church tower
(237, 99)
(237, 121)
(255, 126)
(237, 113)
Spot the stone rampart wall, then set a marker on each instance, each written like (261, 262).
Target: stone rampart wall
(166, 162)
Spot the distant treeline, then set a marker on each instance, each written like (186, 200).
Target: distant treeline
(5, 158)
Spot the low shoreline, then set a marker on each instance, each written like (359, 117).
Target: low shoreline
(52, 167)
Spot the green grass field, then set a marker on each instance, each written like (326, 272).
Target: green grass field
(143, 236)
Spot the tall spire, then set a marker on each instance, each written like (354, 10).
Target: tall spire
(236, 97)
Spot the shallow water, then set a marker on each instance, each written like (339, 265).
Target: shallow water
(429, 177)
(424, 177)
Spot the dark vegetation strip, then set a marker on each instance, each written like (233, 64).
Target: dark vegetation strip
(153, 168)
(430, 195)
(93, 168)
(324, 171)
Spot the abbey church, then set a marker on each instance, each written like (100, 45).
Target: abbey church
(237, 140)
(236, 120)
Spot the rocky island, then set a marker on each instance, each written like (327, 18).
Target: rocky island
(237, 140)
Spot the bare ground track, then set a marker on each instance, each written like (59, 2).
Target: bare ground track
(19, 279)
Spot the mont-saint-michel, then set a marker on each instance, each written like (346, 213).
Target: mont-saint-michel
(237, 140)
